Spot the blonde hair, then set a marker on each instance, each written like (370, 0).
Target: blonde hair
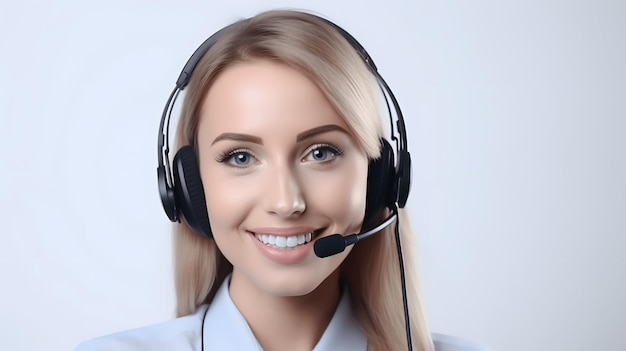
(371, 270)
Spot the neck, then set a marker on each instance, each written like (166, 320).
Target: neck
(286, 322)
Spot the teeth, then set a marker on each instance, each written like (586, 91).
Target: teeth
(284, 241)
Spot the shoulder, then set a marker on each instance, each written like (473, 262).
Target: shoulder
(452, 343)
(178, 334)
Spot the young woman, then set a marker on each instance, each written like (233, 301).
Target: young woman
(277, 139)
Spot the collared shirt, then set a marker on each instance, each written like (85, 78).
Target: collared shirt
(226, 329)
(343, 332)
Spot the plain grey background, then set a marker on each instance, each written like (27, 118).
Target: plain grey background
(515, 114)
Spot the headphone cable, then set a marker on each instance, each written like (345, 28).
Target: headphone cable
(407, 323)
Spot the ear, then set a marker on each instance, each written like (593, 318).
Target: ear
(190, 197)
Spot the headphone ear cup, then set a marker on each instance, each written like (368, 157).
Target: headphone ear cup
(380, 184)
(403, 177)
(190, 192)
(168, 198)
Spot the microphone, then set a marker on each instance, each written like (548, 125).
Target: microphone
(336, 243)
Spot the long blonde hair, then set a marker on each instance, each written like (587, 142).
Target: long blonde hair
(371, 270)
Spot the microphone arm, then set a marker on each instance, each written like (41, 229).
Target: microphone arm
(336, 243)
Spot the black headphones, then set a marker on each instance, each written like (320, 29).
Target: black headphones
(181, 190)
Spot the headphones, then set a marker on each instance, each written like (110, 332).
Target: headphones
(180, 186)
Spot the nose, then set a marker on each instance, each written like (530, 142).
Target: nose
(283, 194)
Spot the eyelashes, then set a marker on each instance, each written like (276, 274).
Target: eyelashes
(321, 153)
(239, 157)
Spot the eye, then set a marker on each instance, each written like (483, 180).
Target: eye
(321, 153)
(237, 158)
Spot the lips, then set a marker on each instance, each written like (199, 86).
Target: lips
(285, 246)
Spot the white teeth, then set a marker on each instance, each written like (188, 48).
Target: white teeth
(284, 241)
(281, 241)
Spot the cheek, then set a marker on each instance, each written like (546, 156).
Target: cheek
(341, 194)
(227, 204)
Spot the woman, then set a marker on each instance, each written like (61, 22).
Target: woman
(278, 135)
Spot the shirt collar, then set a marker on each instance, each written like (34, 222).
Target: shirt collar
(225, 327)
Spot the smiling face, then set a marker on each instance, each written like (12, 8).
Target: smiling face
(280, 168)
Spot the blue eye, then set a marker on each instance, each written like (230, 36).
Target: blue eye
(240, 158)
(322, 153)
(237, 158)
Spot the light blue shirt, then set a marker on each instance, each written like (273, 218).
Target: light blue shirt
(226, 329)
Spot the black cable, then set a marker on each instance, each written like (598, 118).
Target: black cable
(407, 322)
(202, 327)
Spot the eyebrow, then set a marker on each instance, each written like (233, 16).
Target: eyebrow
(320, 130)
(301, 136)
(238, 137)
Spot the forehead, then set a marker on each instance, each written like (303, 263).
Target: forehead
(265, 98)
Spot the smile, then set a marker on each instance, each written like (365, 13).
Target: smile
(284, 242)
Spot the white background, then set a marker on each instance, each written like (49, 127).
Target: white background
(516, 115)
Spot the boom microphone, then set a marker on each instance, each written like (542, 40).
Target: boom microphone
(336, 243)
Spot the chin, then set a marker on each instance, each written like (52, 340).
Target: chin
(292, 286)
(297, 283)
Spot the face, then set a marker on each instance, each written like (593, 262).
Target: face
(280, 169)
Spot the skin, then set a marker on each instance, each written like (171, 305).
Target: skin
(276, 157)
